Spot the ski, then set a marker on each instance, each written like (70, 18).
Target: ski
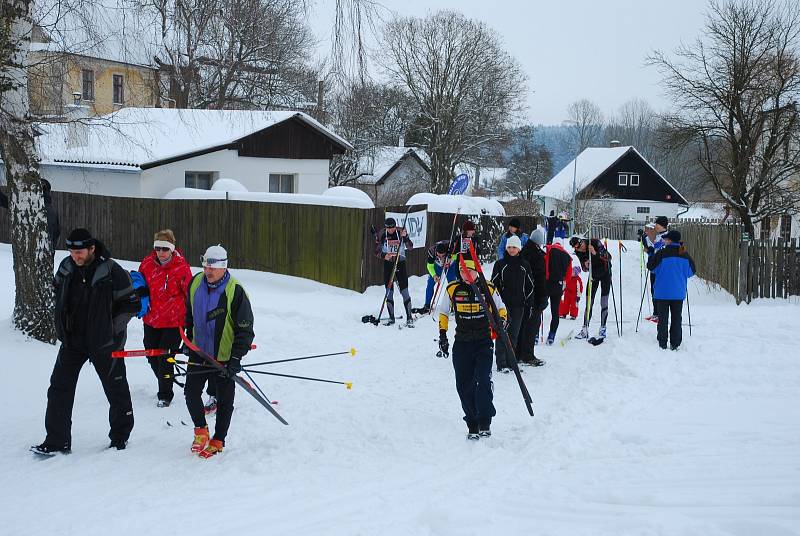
(596, 341)
(564, 340)
(494, 321)
(151, 352)
(240, 381)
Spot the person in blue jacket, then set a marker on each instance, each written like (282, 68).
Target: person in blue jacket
(513, 229)
(672, 267)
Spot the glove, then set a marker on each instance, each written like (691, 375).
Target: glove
(578, 299)
(233, 366)
(444, 345)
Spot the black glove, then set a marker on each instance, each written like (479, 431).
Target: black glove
(444, 345)
(233, 366)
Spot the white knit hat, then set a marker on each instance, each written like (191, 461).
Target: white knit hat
(513, 242)
(215, 257)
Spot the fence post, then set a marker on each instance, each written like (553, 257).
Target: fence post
(743, 285)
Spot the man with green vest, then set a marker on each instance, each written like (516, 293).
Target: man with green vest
(219, 320)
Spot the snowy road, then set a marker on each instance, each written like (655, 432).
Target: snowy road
(627, 438)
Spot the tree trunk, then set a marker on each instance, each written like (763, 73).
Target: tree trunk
(30, 244)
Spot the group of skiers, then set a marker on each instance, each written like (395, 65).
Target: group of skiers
(96, 299)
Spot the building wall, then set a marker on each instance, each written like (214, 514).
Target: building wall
(408, 179)
(122, 183)
(626, 208)
(253, 173)
(651, 185)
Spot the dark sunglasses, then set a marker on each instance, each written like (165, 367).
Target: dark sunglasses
(211, 261)
(162, 249)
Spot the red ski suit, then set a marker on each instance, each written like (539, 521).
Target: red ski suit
(569, 301)
(169, 285)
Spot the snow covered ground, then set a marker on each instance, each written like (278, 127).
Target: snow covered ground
(627, 438)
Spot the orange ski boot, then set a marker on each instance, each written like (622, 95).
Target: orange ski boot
(200, 439)
(215, 446)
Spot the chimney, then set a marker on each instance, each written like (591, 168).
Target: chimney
(77, 115)
(402, 141)
(614, 143)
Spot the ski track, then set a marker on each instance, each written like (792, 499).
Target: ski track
(627, 438)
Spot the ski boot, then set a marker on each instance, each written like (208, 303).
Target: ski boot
(410, 322)
(389, 322)
(163, 403)
(210, 407)
(583, 334)
(535, 362)
(213, 448)
(551, 338)
(473, 434)
(118, 444)
(200, 440)
(602, 333)
(49, 450)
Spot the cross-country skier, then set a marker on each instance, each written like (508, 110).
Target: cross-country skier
(529, 334)
(437, 257)
(653, 241)
(512, 277)
(673, 267)
(601, 277)
(558, 272)
(167, 275)
(390, 243)
(461, 244)
(472, 348)
(514, 229)
(219, 320)
(95, 300)
(572, 295)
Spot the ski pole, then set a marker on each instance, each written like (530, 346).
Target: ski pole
(390, 284)
(689, 310)
(622, 249)
(268, 399)
(614, 301)
(351, 351)
(348, 385)
(641, 304)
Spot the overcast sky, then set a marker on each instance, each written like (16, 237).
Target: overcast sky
(570, 49)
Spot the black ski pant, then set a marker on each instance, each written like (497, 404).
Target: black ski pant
(669, 316)
(653, 292)
(555, 303)
(61, 394)
(530, 329)
(400, 280)
(164, 339)
(515, 318)
(193, 392)
(605, 289)
(472, 361)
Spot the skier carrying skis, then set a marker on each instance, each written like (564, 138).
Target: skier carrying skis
(529, 334)
(673, 267)
(437, 256)
(167, 275)
(512, 277)
(461, 244)
(600, 259)
(572, 295)
(389, 244)
(95, 300)
(472, 348)
(558, 272)
(514, 229)
(219, 320)
(653, 242)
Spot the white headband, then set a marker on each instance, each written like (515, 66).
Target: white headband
(164, 244)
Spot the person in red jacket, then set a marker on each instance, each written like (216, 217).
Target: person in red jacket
(167, 274)
(569, 303)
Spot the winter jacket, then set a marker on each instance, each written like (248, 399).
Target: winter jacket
(461, 244)
(673, 267)
(535, 257)
(501, 248)
(558, 268)
(386, 243)
(169, 286)
(651, 247)
(434, 260)
(472, 324)
(94, 303)
(601, 260)
(227, 315)
(512, 277)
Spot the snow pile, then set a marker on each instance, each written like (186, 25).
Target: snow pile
(348, 192)
(228, 185)
(268, 197)
(451, 203)
(627, 439)
(704, 211)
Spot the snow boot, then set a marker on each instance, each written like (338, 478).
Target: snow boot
(213, 448)
(484, 429)
(473, 434)
(49, 450)
(583, 334)
(410, 322)
(210, 407)
(551, 338)
(535, 362)
(118, 444)
(389, 322)
(163, 404)
(200, 440)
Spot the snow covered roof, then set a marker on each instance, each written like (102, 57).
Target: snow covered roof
(267, 197)
(463, 203)
(373, 168)
(136, 137)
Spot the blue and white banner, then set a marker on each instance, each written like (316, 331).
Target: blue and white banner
(459, 185)
(417, 226)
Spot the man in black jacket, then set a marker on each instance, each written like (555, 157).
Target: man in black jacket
(95, 300)
(511, 276)
(532, 252)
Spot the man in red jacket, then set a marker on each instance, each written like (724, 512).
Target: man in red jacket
(167, 274)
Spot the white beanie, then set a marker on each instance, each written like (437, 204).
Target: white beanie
(513, 242)
(215, 257)
(538, 236)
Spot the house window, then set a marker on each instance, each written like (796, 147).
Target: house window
(119, 90)
(87, 84)
(766, 227)
(634, 180)
(623, 179)
(281, 183)
(786, 227)
(199, 179)
(642, 210)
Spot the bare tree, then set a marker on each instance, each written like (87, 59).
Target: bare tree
(33, 255)
(530, 165)
(465, 85)
(736, 91)
(634, 124)
(586, 122)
